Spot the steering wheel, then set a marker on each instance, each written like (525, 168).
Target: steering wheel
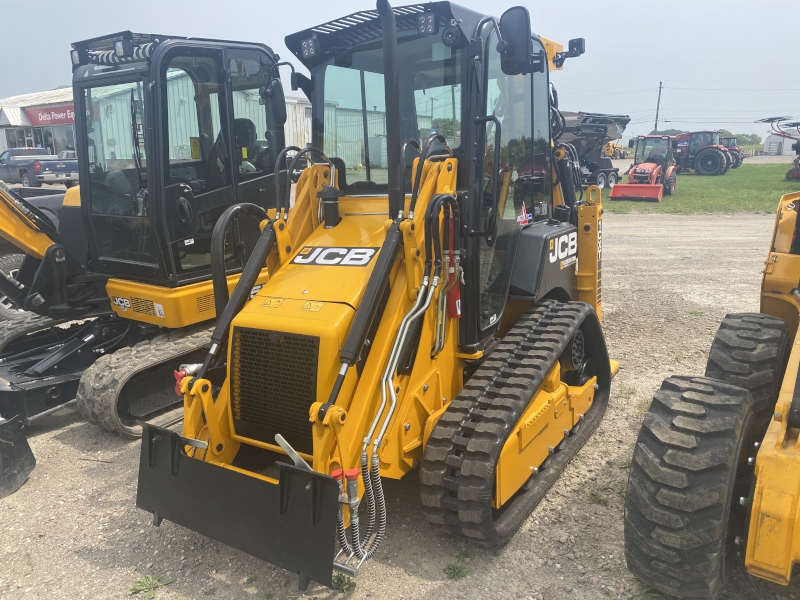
(127, 200)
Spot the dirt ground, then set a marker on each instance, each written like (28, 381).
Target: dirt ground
(73, 531)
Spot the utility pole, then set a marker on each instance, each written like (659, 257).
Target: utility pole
(658, 105)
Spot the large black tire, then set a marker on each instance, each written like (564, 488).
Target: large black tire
(738, 159)
(669, 186)
(751, 350)
(10, 264)
(28, 181)
(689, 470)
(709, 162)
(600, 179)
(728, 161)
(793, 174)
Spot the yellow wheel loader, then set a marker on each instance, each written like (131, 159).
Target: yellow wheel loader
(715, 475)
(116, 279)
(432, 307)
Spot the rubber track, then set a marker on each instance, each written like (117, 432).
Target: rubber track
(24, 324)
(101, 384)
(457, 475)
(678, 499)
(751, 350)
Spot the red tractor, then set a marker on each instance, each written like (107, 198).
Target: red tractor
(653, 171)
(701, 151)
(736, 153)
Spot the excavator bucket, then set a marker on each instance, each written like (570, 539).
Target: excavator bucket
(16, 459)
(637, 191)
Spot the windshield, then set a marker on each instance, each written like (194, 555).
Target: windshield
(651, 150)
(115, 148)
(728, 142)
(354, 120)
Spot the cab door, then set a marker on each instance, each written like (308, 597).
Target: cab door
(257, 138)
(520, 104)
(196, 160)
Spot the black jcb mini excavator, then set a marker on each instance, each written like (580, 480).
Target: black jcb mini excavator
(433, 305)
(117, 276)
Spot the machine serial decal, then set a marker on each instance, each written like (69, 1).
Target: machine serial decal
(564, 246)
(325, 256)
(123, 303)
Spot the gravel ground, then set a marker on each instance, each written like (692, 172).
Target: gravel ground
(73, 530)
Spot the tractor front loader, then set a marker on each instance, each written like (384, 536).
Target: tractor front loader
(436, 312)
(653, 172)
(116, 279)
(715, 475)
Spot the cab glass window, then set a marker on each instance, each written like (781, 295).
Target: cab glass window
(256, 138)
(115, 148)
(196, 145)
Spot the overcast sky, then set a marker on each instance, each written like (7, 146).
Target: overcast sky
(723, 63)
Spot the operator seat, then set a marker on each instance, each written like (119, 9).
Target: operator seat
(244, 133)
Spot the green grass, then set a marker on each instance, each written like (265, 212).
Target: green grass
(455, 571)
(148, 585)
(750, 188)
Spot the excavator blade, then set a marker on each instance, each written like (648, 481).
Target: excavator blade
(637, 191)
(16, 459)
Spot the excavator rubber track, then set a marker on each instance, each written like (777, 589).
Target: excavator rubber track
(457, 475)
(135, 384)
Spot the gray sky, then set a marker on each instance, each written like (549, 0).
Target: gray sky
(723, 63)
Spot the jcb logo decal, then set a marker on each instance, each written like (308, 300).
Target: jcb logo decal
(563, 246)
(123, 303)
(346, 257)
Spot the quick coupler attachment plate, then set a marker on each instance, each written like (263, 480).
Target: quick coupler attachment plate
(291, 524)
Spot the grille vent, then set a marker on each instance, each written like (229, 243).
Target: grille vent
(145, 307)
(205, 303)
(274, 382)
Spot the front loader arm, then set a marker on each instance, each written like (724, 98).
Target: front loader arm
(22, 225)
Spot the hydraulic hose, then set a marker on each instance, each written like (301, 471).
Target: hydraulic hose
(277, 179)
(241, 293)
(218, 272)
(424, 155)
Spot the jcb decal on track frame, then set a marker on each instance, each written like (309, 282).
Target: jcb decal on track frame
(334, 256)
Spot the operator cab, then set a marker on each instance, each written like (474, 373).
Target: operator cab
(654, 149)
(452, 81)
(175, 131)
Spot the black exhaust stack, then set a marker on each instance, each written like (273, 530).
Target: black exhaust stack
(392, 90)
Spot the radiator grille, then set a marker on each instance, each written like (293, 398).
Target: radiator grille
(145, 307)
(205, 303)
(274, 382)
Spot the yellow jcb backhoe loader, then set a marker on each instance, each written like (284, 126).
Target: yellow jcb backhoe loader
(715, 474)
(436, 314)
(116, 279)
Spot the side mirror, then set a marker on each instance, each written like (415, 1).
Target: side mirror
(631, 143)
(577, 46)
(273, 92)
(516, 45)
